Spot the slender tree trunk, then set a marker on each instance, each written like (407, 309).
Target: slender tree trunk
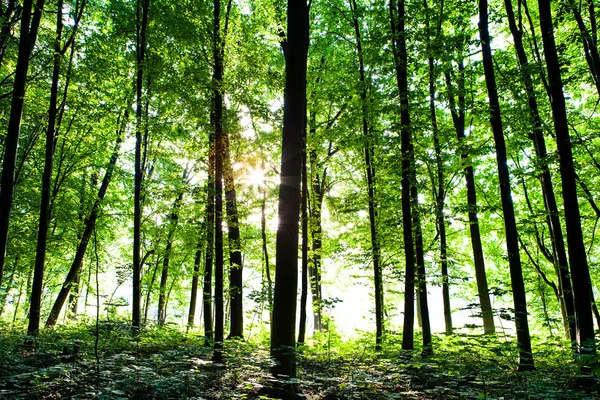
(217, 121)
(314, 267)
(283, 327)
(440, 199)
(141, 28)
(370, 171)
(576, 248)
(267, 266)
(10, 15)
(236, 327)
(194, 290)
(588, 40)
(8, 286)
(510, 225)
(458, 117)
(162, 287)
(537, 136)
(51, 138)
(397, 15)
(162, 295)
(90, 224)
(208, 255)
(304, 206)
(28, 36)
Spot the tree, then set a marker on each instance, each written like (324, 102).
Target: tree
(55, 113)
(370, 172)
(398, 19)
(510, 226)
(90, 225)
(283, 338)
(30, 22)
(559, 259)
(576, 248)
(141, 31)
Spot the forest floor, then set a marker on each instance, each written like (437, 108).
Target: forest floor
(170, 364)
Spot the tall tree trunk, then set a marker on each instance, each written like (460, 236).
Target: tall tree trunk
(440, 200)
(304, 211)
(397, 15)
(439, 190)
(217, 121)
(28, 36)
(51, 137)
(510, 225)
(236, 326)
(420, 259)
(370, 171)
(283, 338)
(458, 118)
(142, 9)
(89, 226)
(314, 266)
(576, 248)
(265, 251)
(537, 136)
(209, 252)
(162, 294)
(195, 281)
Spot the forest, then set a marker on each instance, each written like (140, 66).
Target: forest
(329, 199)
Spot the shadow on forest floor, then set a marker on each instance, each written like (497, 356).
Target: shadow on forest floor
(167, 364)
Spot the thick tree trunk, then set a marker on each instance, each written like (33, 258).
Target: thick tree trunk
(28, 36)
(537, 136)
(141, 28)
(283, 338)
(510, 225)
(458, 118)
(397, 15)
(576, 248)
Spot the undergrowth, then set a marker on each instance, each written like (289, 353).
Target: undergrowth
(171, 363)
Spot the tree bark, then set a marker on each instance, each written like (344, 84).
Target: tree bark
(510, 225)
